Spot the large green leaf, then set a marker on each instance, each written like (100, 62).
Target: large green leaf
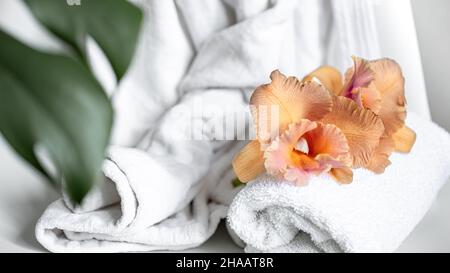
(114, 24)
(54, 101)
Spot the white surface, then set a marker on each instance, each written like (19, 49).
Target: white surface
(398, 40)
(24, 196)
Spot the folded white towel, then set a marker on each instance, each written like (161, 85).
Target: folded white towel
(170, 195)
(140, 221)
(373, 214)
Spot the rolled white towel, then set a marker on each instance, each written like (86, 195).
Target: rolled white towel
(373, 214)
(169, 194)
(133, 210)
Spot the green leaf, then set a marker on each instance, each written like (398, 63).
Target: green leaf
(236, 183)
(114, 25)
(54, 101)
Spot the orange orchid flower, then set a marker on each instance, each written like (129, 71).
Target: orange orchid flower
(295, 101)
(299, 101)
(327, 123)
(306, 148)
(378, 86)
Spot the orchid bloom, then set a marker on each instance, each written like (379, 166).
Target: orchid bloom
(306, 148)
(295, 101)
(376, 85)
(379, 87)
(301, 101)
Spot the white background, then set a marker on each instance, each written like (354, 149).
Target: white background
(432, 19)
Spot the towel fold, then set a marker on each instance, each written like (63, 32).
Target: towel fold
(373, 214)
(168, 195)
(133, 210)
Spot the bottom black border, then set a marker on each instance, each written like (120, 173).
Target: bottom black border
(217, 262)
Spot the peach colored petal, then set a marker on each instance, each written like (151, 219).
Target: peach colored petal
(361, 127)
(249, 162)
(370, 98)
(304, 162)
(380, 159)
(389, 81)
(329, 76)
(327, 139)
(338, 168)
(278, 155)
(404, 139)
(298, 176)
(296, 101)
(328, 162)
(342, 175)
(307, 148)
(359, 76)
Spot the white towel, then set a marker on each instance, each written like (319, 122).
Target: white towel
(163, 192)
(373, 214)
(131, 211)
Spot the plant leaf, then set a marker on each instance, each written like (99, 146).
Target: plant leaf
(54, 101)
(114, 25)
(236, 183)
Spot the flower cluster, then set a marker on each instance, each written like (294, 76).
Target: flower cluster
(328, 123)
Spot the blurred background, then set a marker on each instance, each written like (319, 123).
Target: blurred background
(432, 20)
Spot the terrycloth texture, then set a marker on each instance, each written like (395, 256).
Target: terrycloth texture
(131, 211)
(373, 214)
(162, 190)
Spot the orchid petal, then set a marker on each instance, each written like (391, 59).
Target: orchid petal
(370, 98)
(327, 139)
(327, 149)
(359, 76)
(329, 77)
(295, 101)
(278, 156)
(361, 127)
(249, 162)
(390, 83)
(298, 176)
(404, 139)
(380, 159)
(342, 175)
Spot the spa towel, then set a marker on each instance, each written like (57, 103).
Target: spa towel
(162, 189)
(375, 213)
